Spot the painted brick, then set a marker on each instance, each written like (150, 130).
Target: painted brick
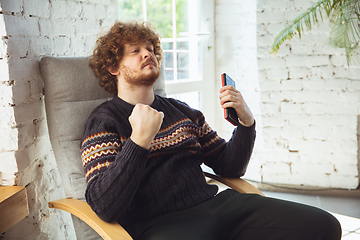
(278, 121)
(336, 84)
(27, 134)
(345, 158)
(269, 108)
(315, 168)
(341, 181)
(341, 108)
(73, 10)
(270, 85)
(325, 72)
(339, 61)
(36, 8)
(291, 85)
(277, 74)
(300, 72)
(326, 49)
(292, 108)
(270, 17)
(11, 6)
(88, 11)
(22, 26)
(315, 97)
(63, 27)
(4, 69)
(307, 61)
(266, 41)
(288, 132)
(278, 96)
(23, 68)
(334, 120)
(310, 145)
(272, 63)
(276, 168)
(86, 27)
(318, 133)
(58, 8)
(314, 83)
(40, 46)
(5, 94)
(29, 112)
(2, 31)
(9, 135)
(300, 120)
(89, 42)
(17, 47)
(317, 108)
(100, 12)
(354, 85)
(62, 46)
(354, 73)
(46, 27)
(301, 49)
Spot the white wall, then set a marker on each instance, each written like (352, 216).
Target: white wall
(31, 29)
(309, 99)
(236, 55)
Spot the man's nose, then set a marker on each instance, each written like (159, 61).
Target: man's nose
(146, 53)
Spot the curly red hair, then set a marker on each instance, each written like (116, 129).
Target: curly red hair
(109, 48)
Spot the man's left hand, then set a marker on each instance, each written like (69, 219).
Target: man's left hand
(230, 97)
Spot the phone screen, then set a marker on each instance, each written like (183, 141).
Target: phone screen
(229, 113)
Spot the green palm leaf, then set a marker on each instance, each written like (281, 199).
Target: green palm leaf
(345, 26)
(345, 31)
(307, 18)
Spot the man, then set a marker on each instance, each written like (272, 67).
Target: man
(142, 155)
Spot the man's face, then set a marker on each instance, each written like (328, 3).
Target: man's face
(139, 65)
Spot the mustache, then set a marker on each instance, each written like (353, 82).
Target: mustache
(147, 62)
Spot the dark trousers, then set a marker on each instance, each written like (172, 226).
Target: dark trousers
(234, 216)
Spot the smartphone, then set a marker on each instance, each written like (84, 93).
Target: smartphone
(229, 113)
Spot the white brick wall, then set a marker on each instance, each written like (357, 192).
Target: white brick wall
(31, 29)
(306, 99)
(321, 106)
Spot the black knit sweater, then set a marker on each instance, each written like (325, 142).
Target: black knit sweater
(127, 183)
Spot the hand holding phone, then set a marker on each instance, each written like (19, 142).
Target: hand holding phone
(236, 111)
(229, 113)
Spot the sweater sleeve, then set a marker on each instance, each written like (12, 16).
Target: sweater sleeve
(228, 159)
(113, 168)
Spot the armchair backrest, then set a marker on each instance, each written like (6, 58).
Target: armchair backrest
(71, 93)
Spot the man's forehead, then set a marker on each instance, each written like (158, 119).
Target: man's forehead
(138, 43)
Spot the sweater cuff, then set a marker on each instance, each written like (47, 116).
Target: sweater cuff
(132, 149)
(246, 131)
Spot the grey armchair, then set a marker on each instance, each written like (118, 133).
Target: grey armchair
(71, 93)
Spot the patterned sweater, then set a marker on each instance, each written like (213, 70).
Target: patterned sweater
(127, 183)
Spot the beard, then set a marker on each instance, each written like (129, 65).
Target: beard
(137, 78)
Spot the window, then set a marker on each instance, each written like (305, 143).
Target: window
(187, 29)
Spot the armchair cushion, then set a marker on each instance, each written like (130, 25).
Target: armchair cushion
(71, 93)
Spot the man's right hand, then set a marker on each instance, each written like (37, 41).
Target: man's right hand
(145, 123)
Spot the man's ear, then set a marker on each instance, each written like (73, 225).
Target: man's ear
(112, 72)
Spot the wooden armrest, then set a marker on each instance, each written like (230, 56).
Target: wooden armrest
(83, 211)
(237, 184)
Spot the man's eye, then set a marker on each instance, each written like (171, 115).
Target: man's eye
(135, 51)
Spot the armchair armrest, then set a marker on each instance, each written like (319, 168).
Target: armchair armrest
(114, 230)
(83, 211)
(237, 184)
